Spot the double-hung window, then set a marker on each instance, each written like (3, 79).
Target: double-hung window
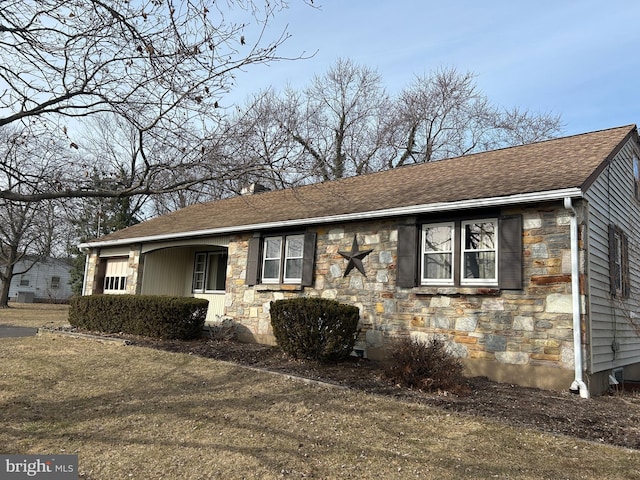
(462, 252)
(209, 271)
(282, 259)
(286, 258)
(479, 252)
(474, 249)
(437, 253)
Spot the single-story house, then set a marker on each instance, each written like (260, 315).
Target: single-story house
(45, 280)
(524, 259)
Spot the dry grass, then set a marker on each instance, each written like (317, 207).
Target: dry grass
(35, 315)
(132, 412)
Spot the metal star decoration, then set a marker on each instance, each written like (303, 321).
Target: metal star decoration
(355, 257)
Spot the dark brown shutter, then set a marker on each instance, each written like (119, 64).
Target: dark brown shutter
(253, 261)
(308, 261)
(510, 252)
(612, 260)
(407, 263)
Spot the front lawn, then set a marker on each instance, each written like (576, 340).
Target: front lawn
(133, 412)
(35, 315)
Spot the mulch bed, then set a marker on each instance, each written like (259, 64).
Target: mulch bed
(612, 419)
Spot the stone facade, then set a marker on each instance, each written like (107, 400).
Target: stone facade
(511, 331)
(531, 327)
(95, 271)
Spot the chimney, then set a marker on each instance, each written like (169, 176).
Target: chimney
(254, 188)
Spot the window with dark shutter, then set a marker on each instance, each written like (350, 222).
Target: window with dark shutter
(462, 252)
(276, 259)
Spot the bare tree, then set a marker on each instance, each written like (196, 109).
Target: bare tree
(345, 124)
(259, 144)
(28, 230)
(341, 124)
(443, 114)
(332, 129)
(161, 65)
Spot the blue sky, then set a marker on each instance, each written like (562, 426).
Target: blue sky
(579, 59)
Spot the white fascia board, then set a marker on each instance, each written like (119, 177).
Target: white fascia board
(534, 197)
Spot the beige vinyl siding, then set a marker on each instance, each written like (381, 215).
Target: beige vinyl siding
(216, 305)
(122, 251)
(611, 200)
(167, 272)
(170, 272)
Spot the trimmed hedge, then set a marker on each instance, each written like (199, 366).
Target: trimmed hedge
(148, 315)
(315, 328)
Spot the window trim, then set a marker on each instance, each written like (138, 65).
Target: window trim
(264, 259)
(424, 280)
(288, 257)
(55, 282)
(493, 281)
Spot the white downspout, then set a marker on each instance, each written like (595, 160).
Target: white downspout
(578, 384)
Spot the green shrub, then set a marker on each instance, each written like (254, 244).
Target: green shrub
(152, 316)
(315, 328)
(424, 365)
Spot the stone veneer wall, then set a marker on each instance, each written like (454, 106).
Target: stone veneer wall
(528, 328)
(134, 271)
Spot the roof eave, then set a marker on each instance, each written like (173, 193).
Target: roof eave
(516, 199)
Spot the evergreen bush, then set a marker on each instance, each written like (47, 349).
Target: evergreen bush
(148, 315)
(315, 328)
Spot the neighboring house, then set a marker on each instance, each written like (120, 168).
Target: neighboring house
(46, 281)
(525, 259)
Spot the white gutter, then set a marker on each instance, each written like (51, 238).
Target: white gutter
(578, 384)
(546, 196)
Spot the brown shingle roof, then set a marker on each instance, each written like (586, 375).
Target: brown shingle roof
(545, 166)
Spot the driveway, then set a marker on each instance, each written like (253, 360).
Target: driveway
(11, 331)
